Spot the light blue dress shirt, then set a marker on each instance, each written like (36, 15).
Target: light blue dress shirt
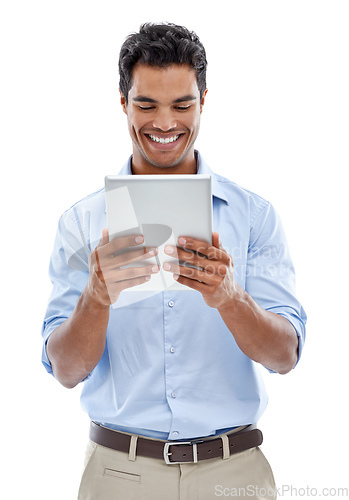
(171, 369)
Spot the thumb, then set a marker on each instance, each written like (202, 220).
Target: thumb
(104, 238)
(215, 240)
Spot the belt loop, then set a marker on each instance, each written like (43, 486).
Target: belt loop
(226, 447)
(132, 449)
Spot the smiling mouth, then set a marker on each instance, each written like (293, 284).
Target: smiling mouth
(162, 140)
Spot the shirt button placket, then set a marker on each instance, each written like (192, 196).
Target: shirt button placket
(172, 394)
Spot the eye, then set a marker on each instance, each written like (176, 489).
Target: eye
(146, 108)
(183, 108)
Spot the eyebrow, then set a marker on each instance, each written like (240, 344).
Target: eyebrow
(185, 98)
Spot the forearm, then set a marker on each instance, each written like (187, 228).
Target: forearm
(263, 336)
(76, 346)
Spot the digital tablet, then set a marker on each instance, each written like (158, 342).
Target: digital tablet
(162, 208)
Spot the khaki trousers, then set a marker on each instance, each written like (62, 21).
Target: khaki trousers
(114, 475)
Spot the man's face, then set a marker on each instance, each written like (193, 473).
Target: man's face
(163, 114)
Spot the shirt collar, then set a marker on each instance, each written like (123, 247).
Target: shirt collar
(203, 168)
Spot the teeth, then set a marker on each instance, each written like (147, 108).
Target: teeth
(163, 141)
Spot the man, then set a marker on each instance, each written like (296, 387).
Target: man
(182, 366)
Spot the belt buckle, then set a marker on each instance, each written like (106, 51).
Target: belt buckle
(167, 453)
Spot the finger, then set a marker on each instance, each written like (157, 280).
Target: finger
(123, 285)
(197, 258)
(207, 276)
(203, 248)
(112, 276)
(111, 262)
(195, 285)
(215, 240)
(104, 238)
(133, 256)
(99, 269)
(121, 243)
(114, 292)
(183, 255)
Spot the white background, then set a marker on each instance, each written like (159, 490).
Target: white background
(275, 121)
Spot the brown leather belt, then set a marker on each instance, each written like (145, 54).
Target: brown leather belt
(177, 451)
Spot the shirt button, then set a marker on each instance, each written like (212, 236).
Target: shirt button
(175, 433)
(171, 303)
(173, 394)
(172, 349)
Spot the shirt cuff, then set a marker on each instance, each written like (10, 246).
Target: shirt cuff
(46, 332)
(299, 327)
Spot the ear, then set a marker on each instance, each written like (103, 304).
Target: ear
(123, 102)
(203, 100)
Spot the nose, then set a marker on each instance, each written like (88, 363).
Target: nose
(164, 120)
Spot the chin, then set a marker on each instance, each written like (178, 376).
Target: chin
(163, 163)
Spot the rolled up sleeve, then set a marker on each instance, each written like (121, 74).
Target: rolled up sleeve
(270, 274)
(68, 271)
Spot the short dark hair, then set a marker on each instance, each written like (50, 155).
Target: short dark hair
(162, 45)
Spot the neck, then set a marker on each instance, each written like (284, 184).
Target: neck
(143, 167)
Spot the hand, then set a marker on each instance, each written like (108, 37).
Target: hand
(215, 280)
(107, 279)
